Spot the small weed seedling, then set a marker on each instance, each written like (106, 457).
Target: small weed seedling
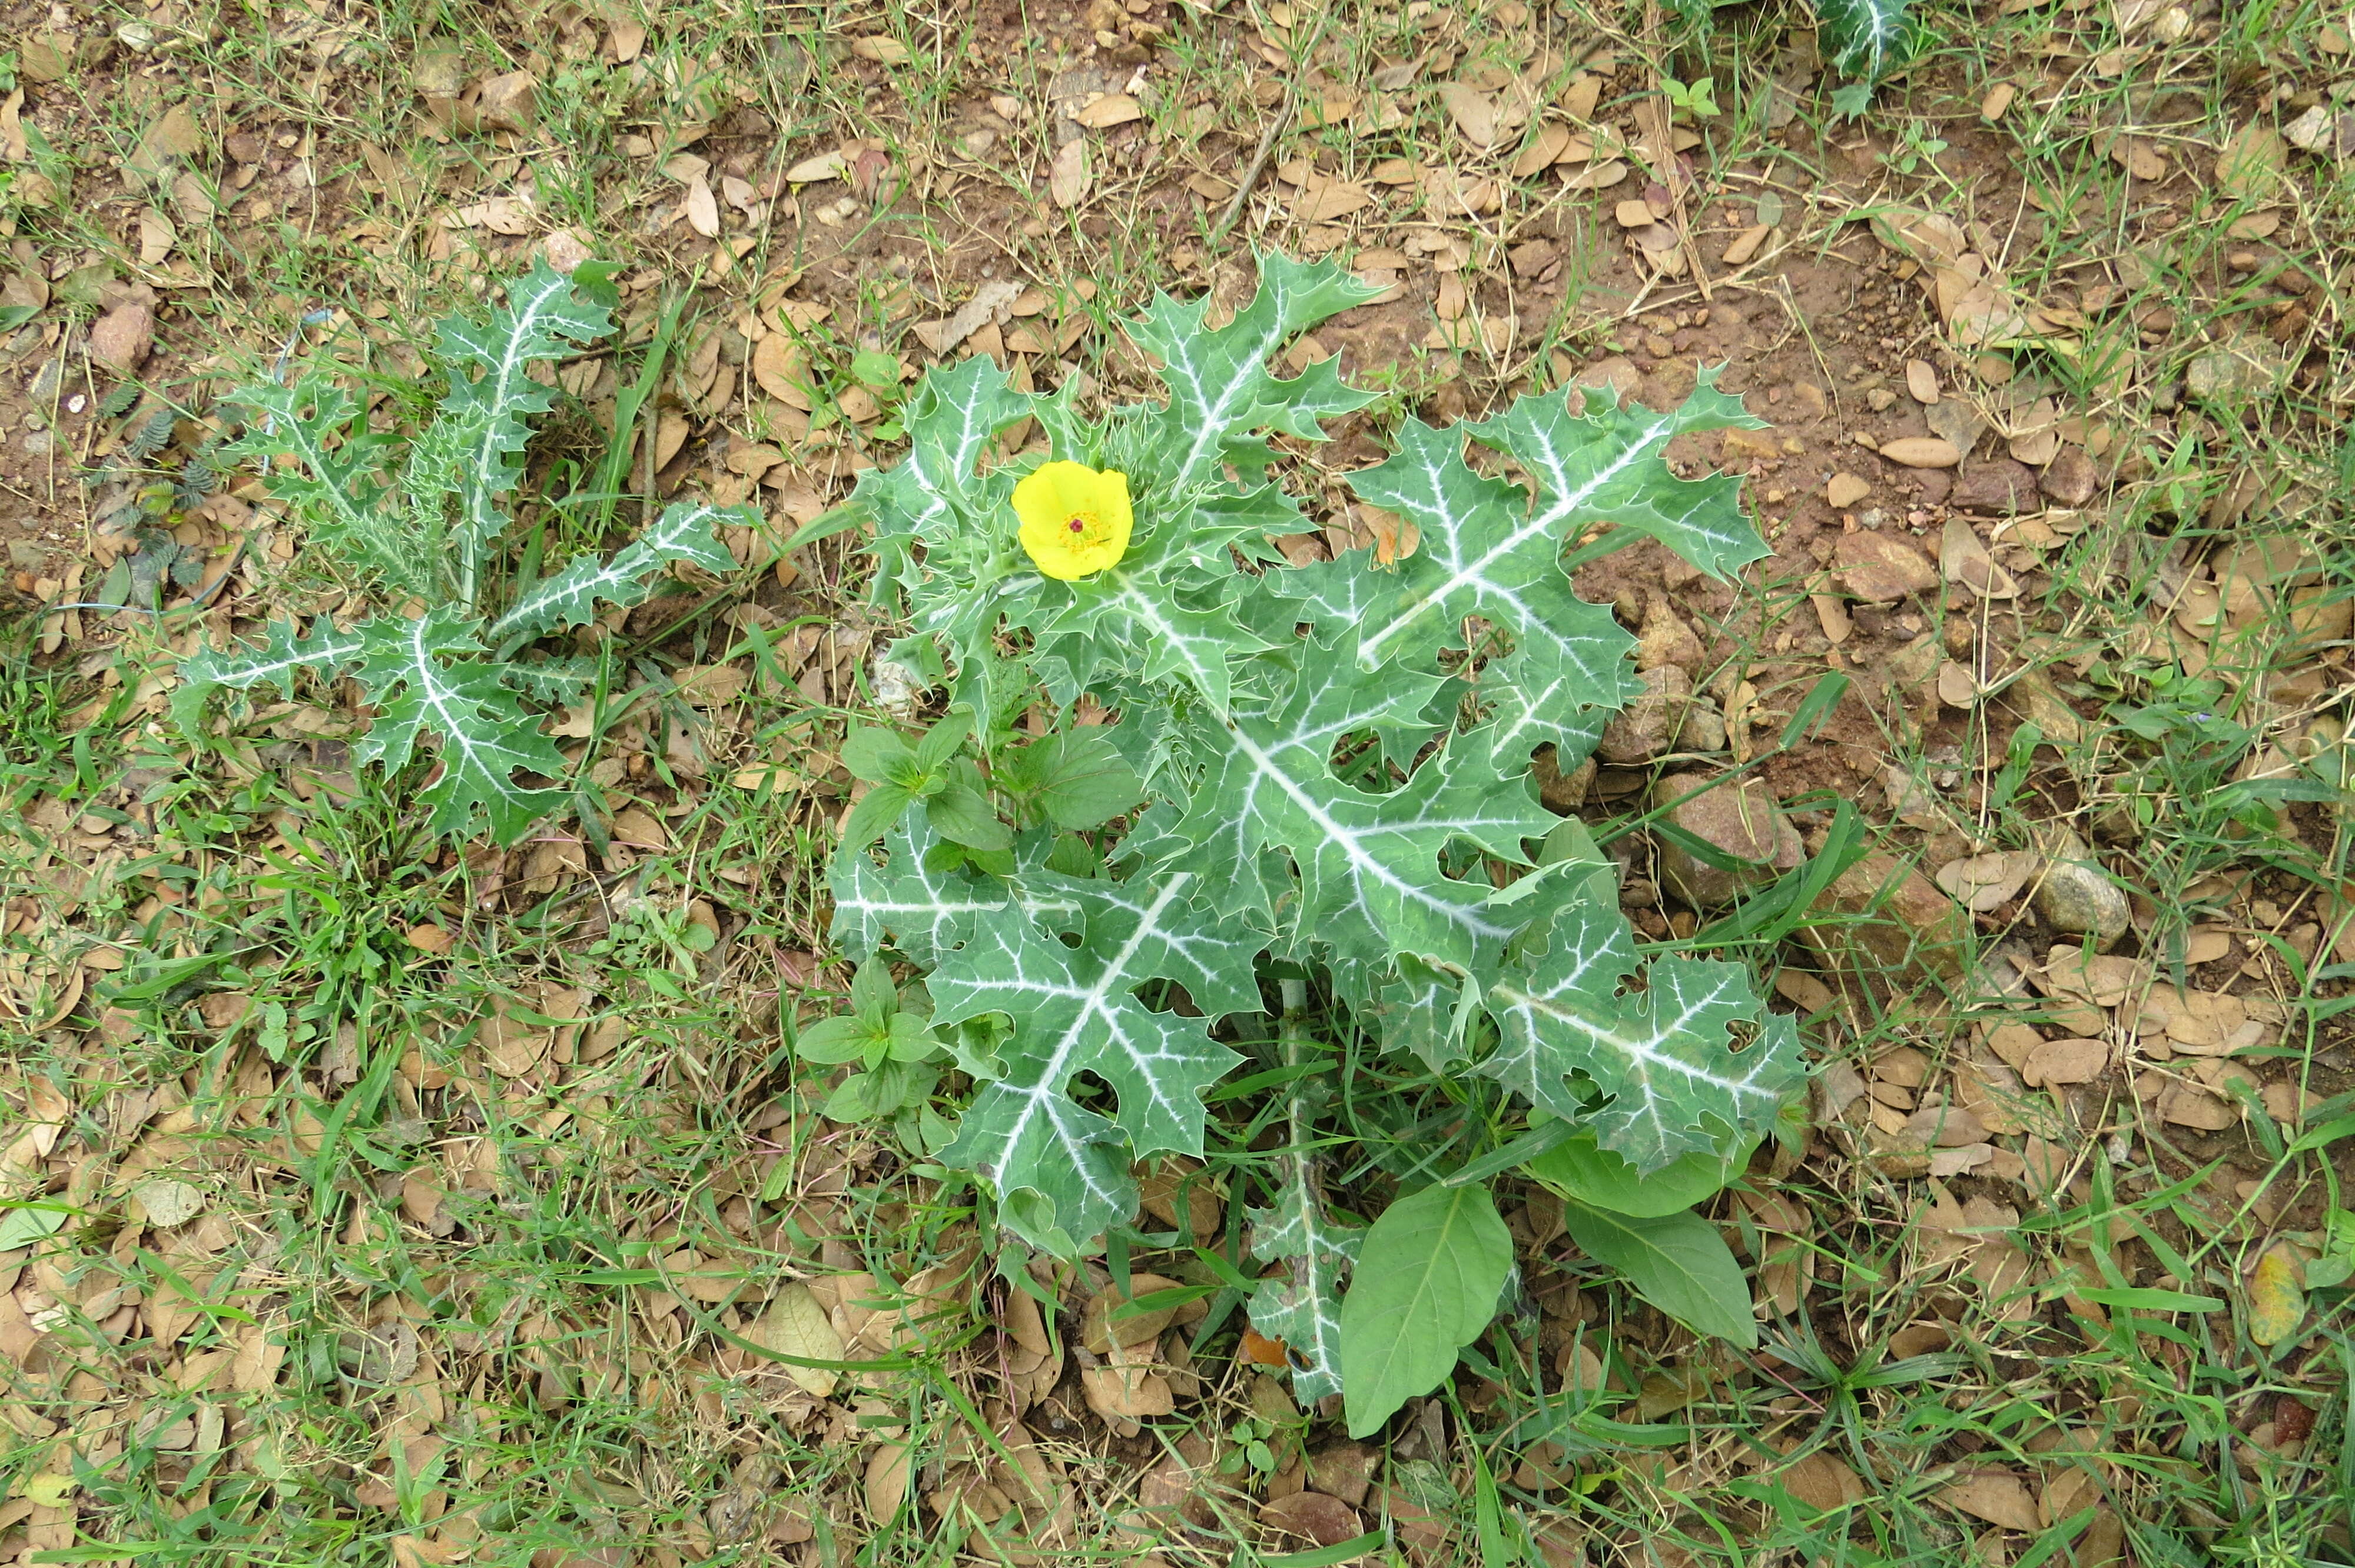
(1312, 773)
(427, 535)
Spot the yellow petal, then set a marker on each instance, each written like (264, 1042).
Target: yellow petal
(1075, 519)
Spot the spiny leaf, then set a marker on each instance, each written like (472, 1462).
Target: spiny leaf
(1867, 39)
(682, 533)
(428, 677)
(1060, 1169)
(491, 397)
(325, 650)
(923, 914)
(338, 483)
(1304, 1311)
(1221, 390)
(937, 496)
(1369, 863)
(1662, 1059)
(1488, 549)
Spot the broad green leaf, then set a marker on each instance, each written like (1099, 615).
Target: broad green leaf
(1304, 1308)
(1865, 40)
(1076, 778)
(874, 815)
(1062, 1169)
(1444, 1256)
(682, 533)
(1663, 1059)
(1677, 1261)
(21, 1224)
(492, 397)
(963, 816)
(1593, 1174)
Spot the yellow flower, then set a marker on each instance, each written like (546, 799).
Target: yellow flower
(1075, 519)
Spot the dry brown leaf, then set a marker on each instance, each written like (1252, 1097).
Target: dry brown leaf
(2064, 1062)
(1125, 1395)
(1107, 110)
(882, 51)
(890, 1471)
(1474, 111)
(1545, 149)
(1822, 1481)
(1986, 881)
(795, 1325)
(2255, 165)
(1102, 1323)
(702, 209)
(1069, 176)
(1998, 1497)
(1921, 451)
(1323, 201)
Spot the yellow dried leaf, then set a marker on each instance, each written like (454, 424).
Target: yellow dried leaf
(2276, 1295)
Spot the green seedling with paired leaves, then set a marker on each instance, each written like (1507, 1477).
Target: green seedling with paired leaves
(423, 523)
(1320, 768)
(885, 1033)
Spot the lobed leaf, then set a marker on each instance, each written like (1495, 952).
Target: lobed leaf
(1304, 1308)
(1867, 39)
(428, 677)
(1662, 1060)
(491, 397)
(1061, 1169)
(682, 533)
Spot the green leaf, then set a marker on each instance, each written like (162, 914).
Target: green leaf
(22, 1224)
(936, 494)
(831, 1040)
(873, 368)
(484, 413)
(876, 755)
(325, 650)
(923, 912)
(873, 815)
(1865, 40)
(1303, 1309)
(1593, 1175)
(1444, 1259)
(682, 533)
(1076, 778)
(1677, 1261)
(962, 816)
(338, 483)
(1662, 1059)
(1061, 1169)
(428, 677)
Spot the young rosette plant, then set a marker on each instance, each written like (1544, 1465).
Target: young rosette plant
(450, 661)
(1321, 771)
